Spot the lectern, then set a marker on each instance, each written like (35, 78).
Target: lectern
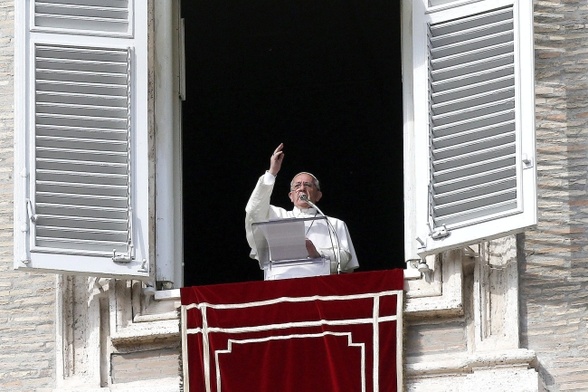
(281, 248)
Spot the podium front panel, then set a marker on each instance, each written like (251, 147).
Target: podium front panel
(297, 269)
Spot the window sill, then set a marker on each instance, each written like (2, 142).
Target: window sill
(438, 292)
(157, 321)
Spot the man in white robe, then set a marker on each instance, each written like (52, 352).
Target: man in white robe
(331, 243)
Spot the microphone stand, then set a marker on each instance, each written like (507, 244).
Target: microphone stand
(331, 228)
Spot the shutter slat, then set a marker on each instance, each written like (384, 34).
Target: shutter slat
(474, 22)
(106, 17)
(471, 135)
(48, 64)
(455, 90)
(470, 216)
(471, 113)
(82, 87)
(82, 99)
(496, 56)
(48, 166)
(112, 159)
(474, 47)
(75, 121)
(457, 184)
(483, 188)
(80, 223)
(81, 189)
(96, 75)
(472, 203)
(83, 200)
(115, 135)
(491, 145)
(97, 3)
(81, 211)
(67, 54)
(489, 67)
(91, 246)
(79, 19)
(80, 144)
(82, 234)
(488, 121)
(66, 119)
(476, 99)
(55, 8)
(475, 168)
(48, 79)
(77, 177)
(57, 109)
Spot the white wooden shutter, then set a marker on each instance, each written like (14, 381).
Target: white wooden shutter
(473, 76)
(81, 200)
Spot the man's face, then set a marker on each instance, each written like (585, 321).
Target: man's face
(304, 184)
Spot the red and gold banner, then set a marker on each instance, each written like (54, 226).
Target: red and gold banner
(327, 333)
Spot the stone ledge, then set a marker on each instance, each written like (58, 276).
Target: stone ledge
(468, 363)
(147, 332)
(170, 384)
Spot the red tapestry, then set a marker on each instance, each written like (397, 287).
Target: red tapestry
(327, 333)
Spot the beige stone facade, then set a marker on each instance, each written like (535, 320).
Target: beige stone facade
(510, 315)
(27, 301)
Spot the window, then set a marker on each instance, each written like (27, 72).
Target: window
(83, 197)
(471, 158)
(322, 77)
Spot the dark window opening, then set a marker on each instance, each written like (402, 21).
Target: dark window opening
(323, 77)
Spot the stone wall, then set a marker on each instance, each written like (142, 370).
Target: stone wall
(554, 258)
(27, 301)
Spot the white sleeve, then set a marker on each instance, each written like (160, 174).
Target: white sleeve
(258, 207)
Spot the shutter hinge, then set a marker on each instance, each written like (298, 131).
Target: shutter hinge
(439, 233)
(31, 211)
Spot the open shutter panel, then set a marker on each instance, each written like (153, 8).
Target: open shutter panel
(476, 125)
(85, 147)
(473, 150)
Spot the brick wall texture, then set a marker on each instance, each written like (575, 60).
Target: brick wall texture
(27, 301)
(554, 261)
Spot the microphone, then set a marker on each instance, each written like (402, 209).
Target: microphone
(337, 251)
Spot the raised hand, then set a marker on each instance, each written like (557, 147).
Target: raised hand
(276, 160)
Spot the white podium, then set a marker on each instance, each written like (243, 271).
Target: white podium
(281, 249)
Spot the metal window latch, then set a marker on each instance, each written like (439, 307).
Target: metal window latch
(143, 266)
(123, 259)
(527, 161)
